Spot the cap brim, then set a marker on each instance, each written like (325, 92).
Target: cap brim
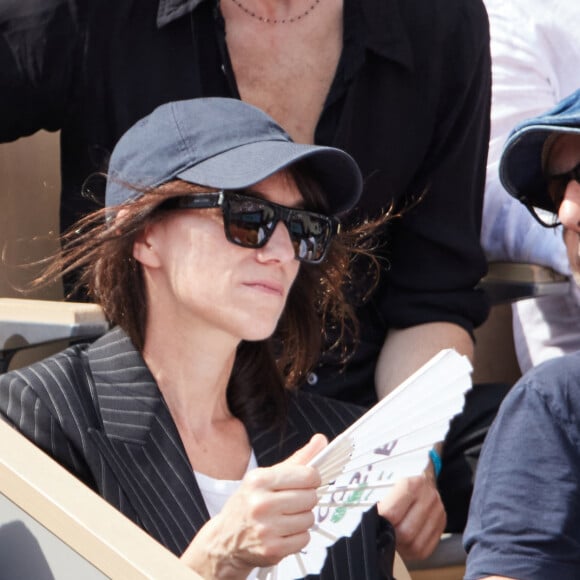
(335, 171)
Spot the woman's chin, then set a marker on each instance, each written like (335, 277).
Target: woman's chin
(254, 331)
(257, 336)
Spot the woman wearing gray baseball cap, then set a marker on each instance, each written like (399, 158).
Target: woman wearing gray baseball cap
(216, 256)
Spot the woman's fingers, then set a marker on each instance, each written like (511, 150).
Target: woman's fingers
(283, 477)
(281, 501)
(293, 472)
(303, 455)
(267, 518)
(415, 509)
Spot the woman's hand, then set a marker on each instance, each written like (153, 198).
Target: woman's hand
(267, 519)
(415, 509)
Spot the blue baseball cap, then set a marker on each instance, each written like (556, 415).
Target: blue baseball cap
(521, 168)
(224, 144)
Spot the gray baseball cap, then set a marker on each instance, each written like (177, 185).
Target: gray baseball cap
(521, 165)
(224, 144)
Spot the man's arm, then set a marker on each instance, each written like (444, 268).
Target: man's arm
(431, 300)
(406, 350)
(414, 506)
(38, 41)
(434, 255)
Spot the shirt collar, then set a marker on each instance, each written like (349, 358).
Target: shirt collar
(170, 10)
(386, 34)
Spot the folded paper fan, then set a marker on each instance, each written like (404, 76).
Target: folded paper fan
(388, 443)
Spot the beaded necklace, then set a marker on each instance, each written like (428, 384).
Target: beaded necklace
(276, 20)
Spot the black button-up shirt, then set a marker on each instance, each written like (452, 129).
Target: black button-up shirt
(410, 102)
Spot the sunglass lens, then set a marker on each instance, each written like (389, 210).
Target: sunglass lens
(556, 190)
(309, 235)
(249, 223)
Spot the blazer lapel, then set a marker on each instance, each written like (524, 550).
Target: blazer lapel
(141, 445)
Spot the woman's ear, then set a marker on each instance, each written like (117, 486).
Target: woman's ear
(144, 248)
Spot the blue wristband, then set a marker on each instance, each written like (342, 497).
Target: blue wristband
(436, 461)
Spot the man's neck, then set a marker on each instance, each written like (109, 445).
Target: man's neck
(285, 68)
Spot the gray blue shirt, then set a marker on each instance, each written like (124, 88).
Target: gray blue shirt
(524, 520)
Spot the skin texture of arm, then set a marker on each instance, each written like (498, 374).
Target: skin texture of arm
(405, 350)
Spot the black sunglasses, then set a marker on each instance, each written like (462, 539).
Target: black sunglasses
(556, 190)
(250, 222)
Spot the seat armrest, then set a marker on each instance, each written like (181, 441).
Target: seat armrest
(512, 281)
(55, 522)
(28, 323)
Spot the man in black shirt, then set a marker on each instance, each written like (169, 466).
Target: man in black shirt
(402, 85)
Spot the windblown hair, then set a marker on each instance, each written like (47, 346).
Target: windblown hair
(99, 251)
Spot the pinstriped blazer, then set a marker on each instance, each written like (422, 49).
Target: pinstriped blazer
(98, 411)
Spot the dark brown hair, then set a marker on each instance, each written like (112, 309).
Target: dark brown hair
(99, 249)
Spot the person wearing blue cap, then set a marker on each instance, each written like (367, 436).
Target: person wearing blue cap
(215, 256)
(524, 519)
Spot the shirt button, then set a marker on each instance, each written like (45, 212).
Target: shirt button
(311, 378)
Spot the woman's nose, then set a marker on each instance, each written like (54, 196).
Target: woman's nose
(569, 212)
(279, 246)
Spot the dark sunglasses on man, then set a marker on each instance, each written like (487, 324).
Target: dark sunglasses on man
(556, 185)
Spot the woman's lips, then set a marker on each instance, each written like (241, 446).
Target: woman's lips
(266, 286)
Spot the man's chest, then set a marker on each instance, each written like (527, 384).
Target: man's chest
(286, 73)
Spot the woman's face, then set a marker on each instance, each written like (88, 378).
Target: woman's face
(194, 276)
(564, 156)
